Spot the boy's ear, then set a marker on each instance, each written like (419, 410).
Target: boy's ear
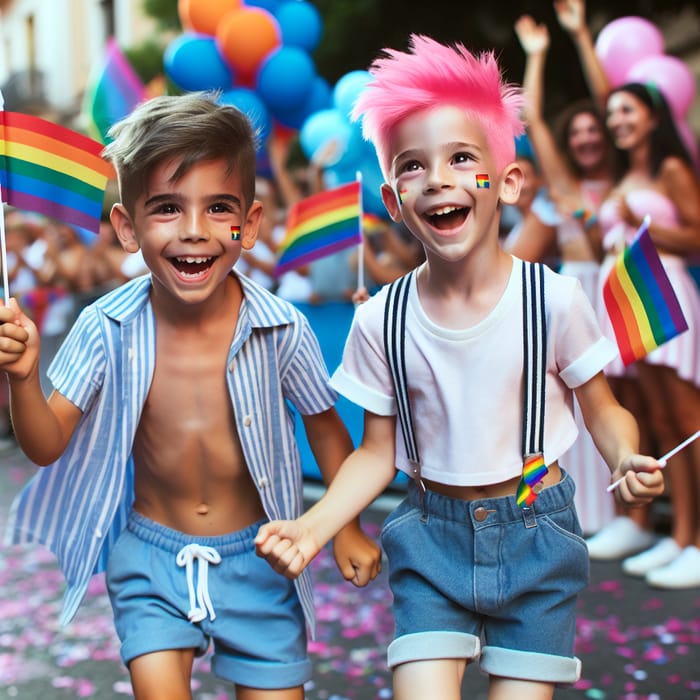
(512, 180)
(124, 228)
(391, 202)
(249, 234)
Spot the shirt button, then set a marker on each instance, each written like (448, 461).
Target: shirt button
(263, 482)
(98, 533)
(480, 514)
(247, 421)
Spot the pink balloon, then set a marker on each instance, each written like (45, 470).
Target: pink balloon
(623, 42)
(672, 76)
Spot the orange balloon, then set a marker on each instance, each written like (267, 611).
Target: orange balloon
(203, 16)
(245, 37)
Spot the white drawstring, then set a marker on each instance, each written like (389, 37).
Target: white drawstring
(200, 602)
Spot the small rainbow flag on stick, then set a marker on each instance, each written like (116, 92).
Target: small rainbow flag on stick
(320, 225)
(51, 170)
(640, 300)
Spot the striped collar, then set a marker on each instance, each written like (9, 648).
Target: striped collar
(264, 309)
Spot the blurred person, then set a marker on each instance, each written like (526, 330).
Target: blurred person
(656, 177)
(577, 171)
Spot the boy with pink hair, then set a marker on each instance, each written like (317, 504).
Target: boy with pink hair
(454, 365)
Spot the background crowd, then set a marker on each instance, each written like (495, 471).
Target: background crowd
(591, 177)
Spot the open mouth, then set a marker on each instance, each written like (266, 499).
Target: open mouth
(446, 218)
(191, 266)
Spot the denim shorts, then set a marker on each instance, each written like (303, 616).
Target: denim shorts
(175, 591)
(488, 580)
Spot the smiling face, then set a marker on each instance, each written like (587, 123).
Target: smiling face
(629, 120)
(444, 183)
(586, 141)
(183, 229)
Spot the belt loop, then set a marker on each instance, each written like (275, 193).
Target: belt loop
(529, 517)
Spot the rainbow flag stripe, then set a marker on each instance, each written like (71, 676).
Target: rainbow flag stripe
(113, 91)
(320, 225)
(235, 233)
(534, 470)
(640, 301)
(482, 182)
(51, 170)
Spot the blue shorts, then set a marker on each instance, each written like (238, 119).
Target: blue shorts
(157, 577)
(467, 572)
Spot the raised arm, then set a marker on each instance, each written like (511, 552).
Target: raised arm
(534, 39)
(572, 17)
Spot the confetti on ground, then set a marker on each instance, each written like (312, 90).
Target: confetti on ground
(635, 643)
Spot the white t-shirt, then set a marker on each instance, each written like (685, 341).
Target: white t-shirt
(465, 386)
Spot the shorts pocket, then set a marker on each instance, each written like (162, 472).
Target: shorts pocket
(406, 512)
(565, 522)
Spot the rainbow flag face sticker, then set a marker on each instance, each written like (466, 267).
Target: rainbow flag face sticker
(402, 195)
(235, 233)
(482, 182)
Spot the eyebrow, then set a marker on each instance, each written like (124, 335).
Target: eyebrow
(175, 197)
(450, 146)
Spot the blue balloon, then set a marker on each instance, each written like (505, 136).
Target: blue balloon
(300, 23)
(319, 98)
(254, 108)
(193, 62)
(321, 130)
(348, 89)
(285, 78)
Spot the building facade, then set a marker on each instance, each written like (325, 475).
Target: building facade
(49, 47)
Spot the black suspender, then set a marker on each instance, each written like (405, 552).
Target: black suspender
(534, 374)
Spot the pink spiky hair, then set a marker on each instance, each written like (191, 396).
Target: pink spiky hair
(434, 75)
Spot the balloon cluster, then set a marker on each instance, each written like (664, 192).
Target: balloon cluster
(258, 53)
(631, 50)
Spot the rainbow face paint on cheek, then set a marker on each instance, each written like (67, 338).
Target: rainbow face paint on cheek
(235, 233)
(482, 182)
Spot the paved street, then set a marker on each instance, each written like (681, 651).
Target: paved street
(635, 643)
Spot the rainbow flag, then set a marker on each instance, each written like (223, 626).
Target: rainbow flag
(113, 91)
(640, 300)
(482, 182)
(51, 170)
(320, 225)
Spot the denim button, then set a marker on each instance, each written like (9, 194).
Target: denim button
(480, 514)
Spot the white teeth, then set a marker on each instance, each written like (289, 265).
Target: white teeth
(192, 261)
(443, 210)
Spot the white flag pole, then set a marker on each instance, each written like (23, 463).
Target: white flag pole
(361, 244)
(3, 244)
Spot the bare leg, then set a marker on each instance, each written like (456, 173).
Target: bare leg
(509, 688)
(435, 678)
(246, 693)
(163, 675)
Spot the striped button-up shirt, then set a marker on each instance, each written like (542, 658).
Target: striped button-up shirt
(78, 506)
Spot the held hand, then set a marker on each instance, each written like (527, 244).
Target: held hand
(571, 14)
(358, 557)
(643, 480)
(287, 546)
(19, 341)
(533, 37)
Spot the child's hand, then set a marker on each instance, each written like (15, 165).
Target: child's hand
(358, 557)
(533, 37)
(643, 479)
(287, 546)
(571, 14)
(19, 341)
